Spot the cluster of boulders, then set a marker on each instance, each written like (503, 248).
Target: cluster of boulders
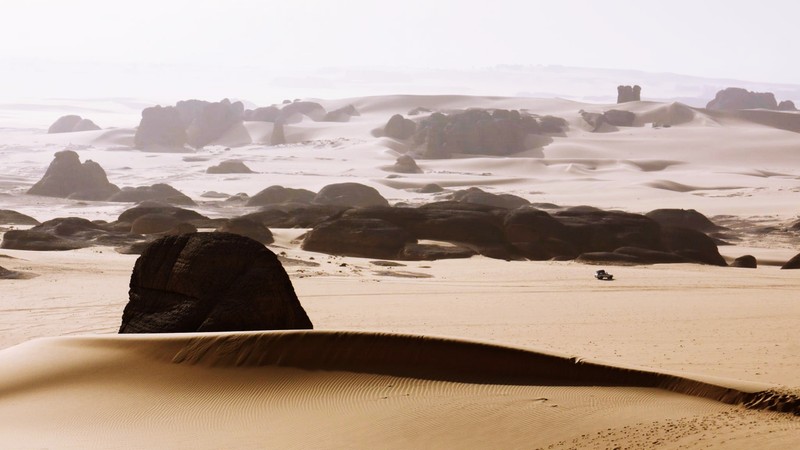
(612, 117)
(193, 122)
(629, 93)
(472, 132)
(71, 124)
(734, 98)
(291, 112)
(67, 177)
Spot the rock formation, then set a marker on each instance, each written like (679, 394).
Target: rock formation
(793, 263)
(72, 123)
(67, 233)
(342, 114)
(210, 282)
(364, 237)
(399, 127)
(229, 167)
(629, 93)
(9, 217)
(248, 227)
(212, 121)
(160, 128)
(279, 194)
(66, 177)
(737, 98)
(160, 192)
(746, 261)
(294, 112)
(265, 114)
(481, 197)
(349, 194)
(683, 218)
(787, 105)
(405, 164)
(612, 117)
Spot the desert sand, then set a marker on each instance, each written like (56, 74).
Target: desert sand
(472, 353)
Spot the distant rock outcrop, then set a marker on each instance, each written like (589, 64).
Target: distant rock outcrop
(160, 192)
(229, 167)
(349, 194)
(737, 98)
(478, 196)
(629, 93)
(399, 127)
(160, 128)
(72, 123)
(405, 164)
(342, 114)
(66, 177)
(67, 233)
(204, 282)
(279, 194)
(612, 117)
(265, 114)
(212, 121)
(9, 217)
(787, 105)
(746, 261)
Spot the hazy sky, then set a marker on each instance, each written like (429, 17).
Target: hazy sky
(748, 40)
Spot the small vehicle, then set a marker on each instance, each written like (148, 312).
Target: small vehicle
(603, 275)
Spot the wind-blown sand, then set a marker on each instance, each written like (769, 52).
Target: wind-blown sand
(355, 386)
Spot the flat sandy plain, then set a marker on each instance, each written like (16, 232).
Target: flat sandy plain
(475, 353)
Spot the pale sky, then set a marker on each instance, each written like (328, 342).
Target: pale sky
(745, 40)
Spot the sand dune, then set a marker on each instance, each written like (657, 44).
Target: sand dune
(362, 390)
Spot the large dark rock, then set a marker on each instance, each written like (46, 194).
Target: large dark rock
(72, 123)
(248, 227)
(787, 105)
(279, 194)
(619, 118)
(478, 131)
(363, 237)
(399, 127)
(160, 192)
(793, 263)
(229, 167)
(481, 197)
(629, 93)
(213, 120)
(66, 177)
(179, 214)
(537, 235)
(342, 114)
(693, 245)
(746, 262)
(737, 98)
(65, 233)
(683, 218)
(592, 230)
(154, 223)
(160, 128)
(204, 282)
(295, 215)
(349, 194)
(9, 217)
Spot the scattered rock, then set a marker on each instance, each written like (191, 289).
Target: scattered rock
(229, 167)
(405, 164)
(159, 192)
(205, 282)
(279, 194)
(248, 227)
(399, 127)
(72, 123)
(9, 217)
(66, 177)
(737, 98)
(349, 194)
(746, 261)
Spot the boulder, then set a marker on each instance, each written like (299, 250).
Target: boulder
(9, 217)
(279, 194)
(342, 114)
(629, 93)
(160, 192)
(683, 218)
(746, 262)
(592, 230)
(213, 121)
(481, 197)
(399, 127)
(362, 237)
(787, 105)
(229, 167)
(619, 118)
(153, 208)
(66, 177)
(210, 282)
(693, 245)
(349, 194)
(295, 215)
(160, 128)
(72, 123)
(64, 124)
(430, 188)
(405, 164)
(536, 234)
(737, 98)
(154, 224)
(65, 233)
(793, 263)
(248, 227)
